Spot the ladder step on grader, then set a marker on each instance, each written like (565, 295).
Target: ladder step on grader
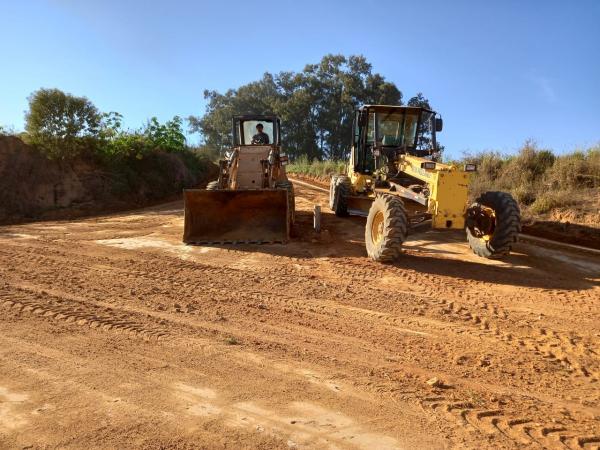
(252, 201)
(393, 177)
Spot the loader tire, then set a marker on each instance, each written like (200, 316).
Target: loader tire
(386, 229)
(493, 224)
(287, 185)
(212, 186)
(339, 189)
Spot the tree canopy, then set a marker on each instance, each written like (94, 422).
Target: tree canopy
(315, 105)
(63, 126)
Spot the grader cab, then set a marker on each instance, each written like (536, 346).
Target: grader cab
(394, 177)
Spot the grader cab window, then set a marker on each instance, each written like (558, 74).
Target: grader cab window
(395, 128)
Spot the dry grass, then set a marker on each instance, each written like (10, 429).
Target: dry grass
(538, 179)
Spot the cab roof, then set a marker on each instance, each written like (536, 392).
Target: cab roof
(395, 107)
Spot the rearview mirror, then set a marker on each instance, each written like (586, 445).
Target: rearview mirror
(439, 124)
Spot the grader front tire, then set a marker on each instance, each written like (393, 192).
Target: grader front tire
(386, 229)
(493, 224)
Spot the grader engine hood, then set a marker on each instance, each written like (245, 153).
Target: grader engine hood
(448, 187)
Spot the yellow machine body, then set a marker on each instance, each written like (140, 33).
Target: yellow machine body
(447, 184)
(448, 187)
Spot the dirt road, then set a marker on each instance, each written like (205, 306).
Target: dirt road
(113, 334)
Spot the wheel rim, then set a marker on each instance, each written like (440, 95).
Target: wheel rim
(482, 222)
(377, 227)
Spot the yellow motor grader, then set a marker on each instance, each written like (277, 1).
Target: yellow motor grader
(394, 178)
(252, 201)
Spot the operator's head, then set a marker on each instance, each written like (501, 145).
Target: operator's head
(259, 127)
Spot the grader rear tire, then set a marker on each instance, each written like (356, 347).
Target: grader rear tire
(493, 224)
(339, 189)
(386, 229)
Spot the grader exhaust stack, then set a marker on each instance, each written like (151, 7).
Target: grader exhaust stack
(252, 201)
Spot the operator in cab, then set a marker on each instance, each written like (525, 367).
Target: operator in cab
(260, 138)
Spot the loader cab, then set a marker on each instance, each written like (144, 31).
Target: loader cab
(244, 128)
(382, 133)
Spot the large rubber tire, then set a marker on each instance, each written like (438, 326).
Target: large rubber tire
(212, 186)
(507, 225)
(291, 198)
(339, 190)
(389, 215)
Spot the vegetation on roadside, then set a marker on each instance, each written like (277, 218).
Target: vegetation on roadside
(315, 168)
(106, 165)
(539, 179)
(65, 127)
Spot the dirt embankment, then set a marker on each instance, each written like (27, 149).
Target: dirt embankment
(34, 187)
(579, 224)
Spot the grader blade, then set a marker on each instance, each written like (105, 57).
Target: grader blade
(236, 217)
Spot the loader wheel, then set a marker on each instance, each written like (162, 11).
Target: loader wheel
(386, 229)
(339, 189)
(291, 198)
(212, 186)
(493, 224)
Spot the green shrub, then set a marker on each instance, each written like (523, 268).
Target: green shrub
(61, 124)
(115, 143)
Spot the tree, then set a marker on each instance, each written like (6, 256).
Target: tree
(316, 105)
(425, 127)
(60, 122)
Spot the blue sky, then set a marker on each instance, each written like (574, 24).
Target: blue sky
(498, 72)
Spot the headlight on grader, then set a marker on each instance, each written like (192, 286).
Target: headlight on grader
(470, 167)
(428, 165)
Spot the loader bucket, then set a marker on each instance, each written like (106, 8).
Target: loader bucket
(232, 217)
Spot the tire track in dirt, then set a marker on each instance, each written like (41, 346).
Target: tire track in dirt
(522, 430)
(461, 313)
(576, 353)
(81, 313)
